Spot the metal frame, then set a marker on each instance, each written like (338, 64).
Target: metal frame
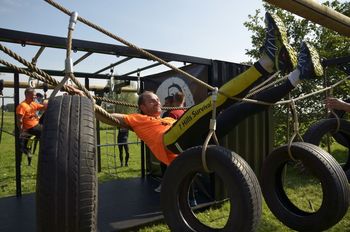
(217, 74)
(90, 47)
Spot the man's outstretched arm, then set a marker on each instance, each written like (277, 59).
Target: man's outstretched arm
(118, 118)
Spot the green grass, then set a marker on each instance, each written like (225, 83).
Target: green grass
(300, 186)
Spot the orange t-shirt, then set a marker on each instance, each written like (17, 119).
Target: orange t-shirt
(28, 111)
(151, 131)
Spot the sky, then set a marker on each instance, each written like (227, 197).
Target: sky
(203, 28)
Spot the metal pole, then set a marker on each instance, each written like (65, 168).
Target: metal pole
(143, 172)
(2, 116)
(98, 138)
(18, 154)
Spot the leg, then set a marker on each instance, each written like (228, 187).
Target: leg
(276, 54)
(233, 115)
(120, 148)
(308, 66)
(163, 168)
(36, 131)
(126, 148)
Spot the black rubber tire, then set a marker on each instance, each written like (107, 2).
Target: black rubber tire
(242, 188)
(315, 133)
(325, 168)
(66, 194)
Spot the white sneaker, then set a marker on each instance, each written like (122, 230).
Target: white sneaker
(158, 189)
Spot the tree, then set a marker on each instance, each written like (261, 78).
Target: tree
(329, 44)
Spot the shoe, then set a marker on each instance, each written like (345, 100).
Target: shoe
(158, 189)
(276, 44)
(126, 165)
(309, 63)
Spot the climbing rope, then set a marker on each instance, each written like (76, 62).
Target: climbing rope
(334, 114)
(295, 129)
(68, 71)
(212, 128)
(140, 50)
(262, 86)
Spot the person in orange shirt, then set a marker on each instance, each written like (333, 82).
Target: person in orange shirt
(27, 118)
(167, 137)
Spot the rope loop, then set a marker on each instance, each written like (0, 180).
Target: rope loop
(212, 128)
(295, 129)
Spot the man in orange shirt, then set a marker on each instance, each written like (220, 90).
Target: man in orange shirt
(167, 137)
(27, 118)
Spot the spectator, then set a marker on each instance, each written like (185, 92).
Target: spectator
(39, 98)
(27, 119)
(168, 102)
(123, 134)
(178, 101)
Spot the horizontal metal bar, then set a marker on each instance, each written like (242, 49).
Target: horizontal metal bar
(86, 55)
(141, 69)
(5, 69)
(115, 144)
(113, 65)
(336, 61)
(28, 38)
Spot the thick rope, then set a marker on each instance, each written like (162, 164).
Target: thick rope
(295, 129)
(54, 82)
(147, 54)
(115, 102)
(212, 128)
(314, 93)
(262, 86)
(68, 63)
(335, 115)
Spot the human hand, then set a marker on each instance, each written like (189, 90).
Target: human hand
(335, 103)
(72, 89)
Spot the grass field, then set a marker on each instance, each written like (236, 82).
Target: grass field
(301, 188)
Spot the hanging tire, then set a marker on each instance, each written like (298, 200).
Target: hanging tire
(325, 168)
(66, 193)
(241, 184)
(315, 133)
